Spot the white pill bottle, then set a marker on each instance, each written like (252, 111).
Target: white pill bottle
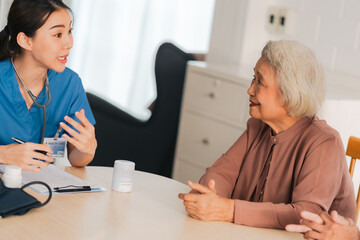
(12, 176)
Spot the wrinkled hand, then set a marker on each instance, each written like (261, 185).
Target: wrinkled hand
(203, 203)
(24, 156)
(324, 227)
(85, 140)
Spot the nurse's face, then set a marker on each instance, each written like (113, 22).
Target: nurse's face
(51, 44)
(265, 100)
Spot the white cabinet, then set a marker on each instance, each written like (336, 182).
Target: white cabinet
(214, 113)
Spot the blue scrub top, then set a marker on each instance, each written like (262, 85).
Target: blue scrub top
(67, 97)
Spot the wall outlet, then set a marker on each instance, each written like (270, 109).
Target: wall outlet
(279, 20)
(272, 19)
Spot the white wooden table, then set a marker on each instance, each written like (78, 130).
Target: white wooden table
(151, 211)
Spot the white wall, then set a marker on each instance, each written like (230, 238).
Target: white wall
(330, 27)
(4, 9)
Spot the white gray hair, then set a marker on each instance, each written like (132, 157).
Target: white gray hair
(300, 77)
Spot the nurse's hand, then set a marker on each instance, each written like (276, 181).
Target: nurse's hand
(205, 204)
(24, 156)
(82, 143)
(322, 226)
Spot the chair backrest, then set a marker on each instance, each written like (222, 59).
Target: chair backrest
(150, 144)
(353, 150)
(170, 70)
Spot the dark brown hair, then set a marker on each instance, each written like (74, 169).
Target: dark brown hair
(25, 16)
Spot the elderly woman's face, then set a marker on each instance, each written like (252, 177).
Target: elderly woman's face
(265, 101)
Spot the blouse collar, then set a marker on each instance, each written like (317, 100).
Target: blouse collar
(290, 132)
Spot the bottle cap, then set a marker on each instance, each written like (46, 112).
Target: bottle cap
(12, 170)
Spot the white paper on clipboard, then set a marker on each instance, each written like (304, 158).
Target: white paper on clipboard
(54, 177)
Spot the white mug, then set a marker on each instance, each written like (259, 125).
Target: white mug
(123, 175)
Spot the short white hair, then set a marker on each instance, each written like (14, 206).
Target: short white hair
(300, 77)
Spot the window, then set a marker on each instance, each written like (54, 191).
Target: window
(115, 42)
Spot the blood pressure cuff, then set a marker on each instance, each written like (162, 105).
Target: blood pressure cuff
(15, 201)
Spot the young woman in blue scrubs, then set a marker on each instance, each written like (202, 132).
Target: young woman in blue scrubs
(34, 47)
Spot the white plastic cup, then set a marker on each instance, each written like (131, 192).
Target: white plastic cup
(123, 176)
(12, 176)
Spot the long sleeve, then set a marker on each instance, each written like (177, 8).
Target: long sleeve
(308, 171)
(226, 169)
(316, 186)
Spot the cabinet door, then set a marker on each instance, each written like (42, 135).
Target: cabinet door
(186, 171)
(202, 141)
(217, 98)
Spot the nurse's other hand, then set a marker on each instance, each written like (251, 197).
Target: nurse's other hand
(322, 226)
(24, 156)
(84, 140)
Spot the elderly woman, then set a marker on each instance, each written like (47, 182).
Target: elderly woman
(287, 160)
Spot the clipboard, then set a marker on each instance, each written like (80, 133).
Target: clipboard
(57, 178)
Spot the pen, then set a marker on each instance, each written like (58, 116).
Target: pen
(77, 189)
(17, 140)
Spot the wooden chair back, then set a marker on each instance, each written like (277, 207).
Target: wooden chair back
(353, 150)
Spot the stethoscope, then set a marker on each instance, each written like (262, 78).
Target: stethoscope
(33, 98)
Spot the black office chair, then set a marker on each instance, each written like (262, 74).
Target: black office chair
(150, 144)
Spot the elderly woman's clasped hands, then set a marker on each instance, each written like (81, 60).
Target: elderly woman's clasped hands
(203, 203)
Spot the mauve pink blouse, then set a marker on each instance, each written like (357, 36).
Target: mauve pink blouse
(307, 171)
